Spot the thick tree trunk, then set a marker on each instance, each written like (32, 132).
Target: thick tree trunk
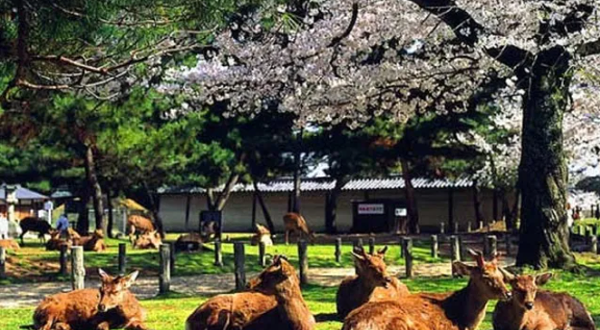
(263, 207)
(495, 205)
(188, 202)
(111, 218)
(331, 205)
(92, 177)
(297, 173)
(543, 170)
(411, 201)
(477, 202)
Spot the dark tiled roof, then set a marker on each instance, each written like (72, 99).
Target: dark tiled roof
(22, 193)
(326, 185)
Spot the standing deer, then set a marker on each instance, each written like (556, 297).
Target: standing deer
(460, 310)
(110, 307)
(531, 309)
(41, 226)
(295, 224)
(274, 301)
(372, 283)
(139, 224)
(94, 242)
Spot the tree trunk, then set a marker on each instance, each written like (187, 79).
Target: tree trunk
(495, 205)
(92, 177)
(331, 205)
(411, 201)
(155, 209)
(111, 218)
(543, 170)
(477, 202)
(263, 207)
(506, 211)
(297, 173)
(83, 219)
(188, 202)
(219, 204)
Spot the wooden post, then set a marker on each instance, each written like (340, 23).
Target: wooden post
(63, 259)
(480, 225)
(303, 260)
(371, 245)
(2, 262)
(492, 246)
(239, 261)
(77, 268)
(442, 229)
(172, 257)
(122, 258)
(218, 254)
(164, 278)
(455, 247)
(594, 244)
(434, 246)
(508, 242)
(408, 256)
(262, 249)
(456, 227)
(469, 229)
(338, 250)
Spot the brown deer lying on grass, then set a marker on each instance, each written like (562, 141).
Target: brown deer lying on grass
(110, 307)
(9, 244)
(41, 226)
(189, 242)
(149, 240)
(372, 283)
(138, 224)
(530, 309)
(463, 309)
(56, 241)
(94, 242)
(261, 234)
(295, 224)
(273, 302)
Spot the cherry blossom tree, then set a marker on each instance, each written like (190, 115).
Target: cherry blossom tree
(343, 59)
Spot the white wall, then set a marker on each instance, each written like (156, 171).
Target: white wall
(237, 214)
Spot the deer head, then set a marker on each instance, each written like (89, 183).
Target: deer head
(487, 277)
(525, 287)
(98, 233)
(276, 276)
(372, 267)
(151, 239)
(113, 289)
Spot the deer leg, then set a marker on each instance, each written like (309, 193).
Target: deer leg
(135, 325)
(103, 326)
(62, 326)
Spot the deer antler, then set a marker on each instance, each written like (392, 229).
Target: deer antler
(478, 257)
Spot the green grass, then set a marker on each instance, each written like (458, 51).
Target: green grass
(170, 312)
(35, 260)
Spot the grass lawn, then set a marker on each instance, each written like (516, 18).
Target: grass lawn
(34, 263)
(169, 313)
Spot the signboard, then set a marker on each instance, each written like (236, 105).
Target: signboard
(400, 212)
(371, 209)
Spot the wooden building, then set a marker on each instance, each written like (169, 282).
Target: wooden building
(438, 200)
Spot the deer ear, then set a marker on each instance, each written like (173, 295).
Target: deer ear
(129, 279)
(542, 278)
(382, 252)
(462, 269)
(478, 257)
(104, 275)
(358, 256)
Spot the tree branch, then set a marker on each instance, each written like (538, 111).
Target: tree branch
(348, 30)
(589, 48)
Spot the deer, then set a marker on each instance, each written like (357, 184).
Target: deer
(188, 242)
(295, 223)
(139, 224)
(55, 241)
(463, 309)
(273, 301)
(149, 240)
(261, 234)
(41, 226)
(372, 283)
(531, 309)
(112, 306)
(9, 244)
(94, 242)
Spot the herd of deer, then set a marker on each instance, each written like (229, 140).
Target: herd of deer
(370, 300)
